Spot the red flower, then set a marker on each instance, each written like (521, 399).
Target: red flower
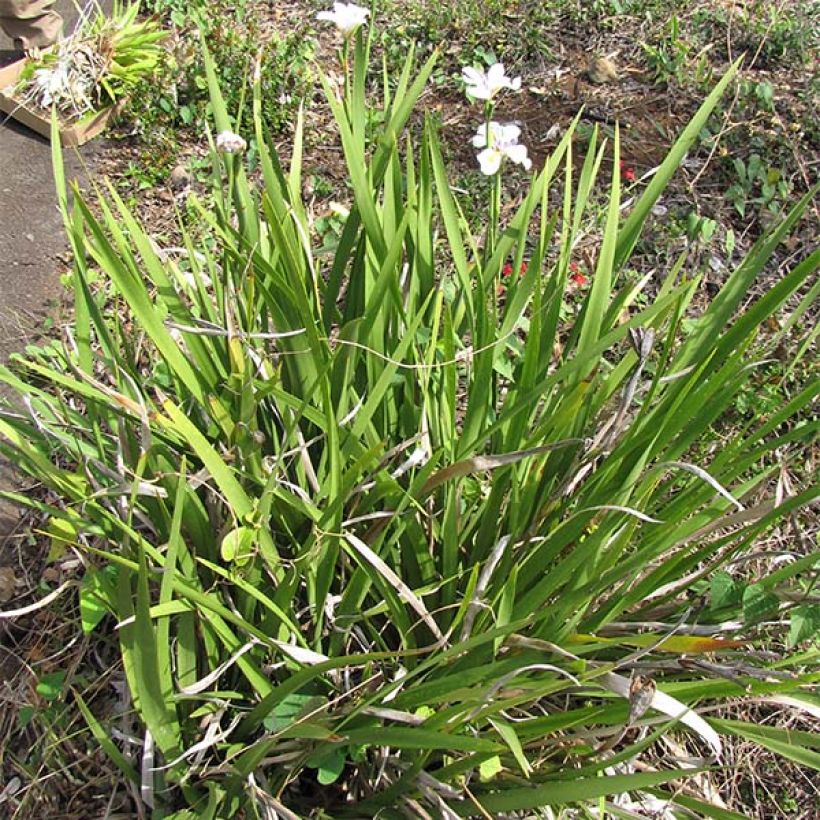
(508, 269)
(627, 173)
(576, 277)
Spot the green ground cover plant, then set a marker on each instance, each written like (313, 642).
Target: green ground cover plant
(242, 42)
(469, 31)
(376, 531)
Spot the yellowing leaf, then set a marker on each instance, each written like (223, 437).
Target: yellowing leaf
(680, 644)
(677, 644)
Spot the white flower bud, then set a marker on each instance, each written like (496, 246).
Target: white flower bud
(229, 143)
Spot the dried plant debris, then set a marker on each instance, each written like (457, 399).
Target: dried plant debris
(96, 66)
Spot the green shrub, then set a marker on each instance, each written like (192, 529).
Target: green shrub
(774, 37)
(362, 521)
(470, 31)
(237, 37)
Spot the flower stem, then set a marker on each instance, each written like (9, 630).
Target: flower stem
(345, 60)
(495, 192)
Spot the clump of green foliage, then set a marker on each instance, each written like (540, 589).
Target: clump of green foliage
(470, 31)
(352, 534)
(775, 36)
(240, 42)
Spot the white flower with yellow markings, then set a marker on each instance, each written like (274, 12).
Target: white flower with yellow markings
(486, 86)
(499, 144)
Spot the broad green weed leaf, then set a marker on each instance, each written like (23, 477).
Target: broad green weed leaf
(330, 763)
(291, 708)
(758, 604)
(804, 623)
(50, 686)
(724, 590)
(489, 768)
(97, 595)
(237, 545)
(63, 534)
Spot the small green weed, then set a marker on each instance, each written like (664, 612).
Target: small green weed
(673, 59)
(757, 184)
(668, 58)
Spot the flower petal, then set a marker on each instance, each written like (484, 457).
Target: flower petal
(490, 161)
(480, 138)
(509, 133)
(496, 132)
(518, 154)
(347, 17)
(480, 92)
(495, 76)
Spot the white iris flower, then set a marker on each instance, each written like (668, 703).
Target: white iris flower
(347, 17)
(502, 143)
(481, 86)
